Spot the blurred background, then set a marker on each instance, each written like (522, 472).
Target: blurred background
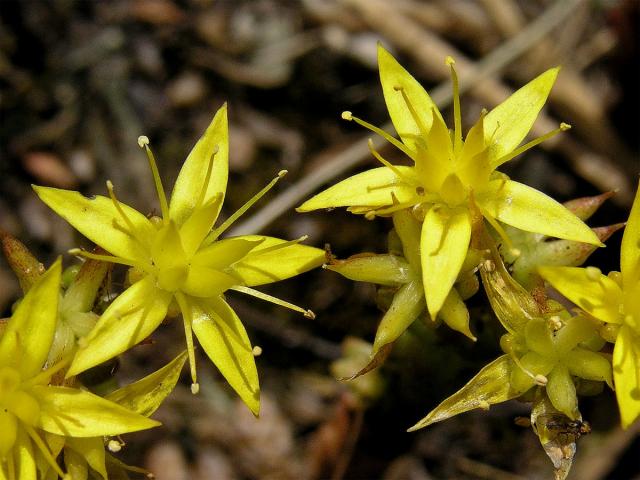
(81, 80)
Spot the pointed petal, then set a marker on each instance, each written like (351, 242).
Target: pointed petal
(223, 253)
(407, 304)
(589, 365)
(267, 264)
(444, 243)
(389, 270)
(528, 209)
(489, 387)
(393, 75)
(129, 319)
(24, 457)
(29, 333)
(147, 394)
(98, 219)
(538, 337)
(372, 188)
(76, 413)
(626, 365)
(190, 182)
(509, 123)
(194, 230)
(599, 298)
(630, 248)
(225, 341)
(456, 315)
(409, 231)
(562, 391)
(9, 429)
(92, 450)
(76, 466)
(207, 282)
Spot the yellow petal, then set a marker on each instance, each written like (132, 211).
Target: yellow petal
(509, 123)
(77, 413)
(27, 337)
(528, 209)
(225, 252)
(129, 319)
(456, 315)
(267, 264)
(147, 394)
(443, 246)
(24, 457)
(562, 391)
(393, 75)
(75, 465)
(194, 230)
(589, 365)
(98, 219)
(600, 298)
(9, 429)
(407, 304)
(92, 450)
(626, 365)
(190, 182)
(207, 282)
(372, 188)
(630, 248)
(225, 341)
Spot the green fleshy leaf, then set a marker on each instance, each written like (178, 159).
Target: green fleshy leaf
(444, 244)
(407, 304)
(490, 386)
(389, 270)
(98, 219)
(26, 267)
(509, 123)
(589, 365)
(76, 413)
(266, 263)
(456, 315)
(146, 395)
(129, 319)
(372, 188)
(528, 209)
(225, 341)
(562, 391)
(28, 335)
(190, 182)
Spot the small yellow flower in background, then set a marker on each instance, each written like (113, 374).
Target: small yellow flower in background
(614, 299)
(449, 175)
(30, 408)
(178, 259)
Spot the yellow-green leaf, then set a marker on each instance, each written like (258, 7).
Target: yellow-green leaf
(626, 365)
(271, 262)
(190, 182)
(146, 395)
(129, 319)
(76, 413)
(225, 341)
(372, 188)
(509, 123)
(28, 335)
(407, 304)
(528, 209)
(490, 386)
(388, 270)
(562, 391)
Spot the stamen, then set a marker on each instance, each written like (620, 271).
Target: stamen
(562, 128)
(539, 380)
(421, 126)
(44, 449)
(393, 141)
(457, 116)
(395, 208)
(44, 377)
(256, 351)
(276, 300)
(387, 164)
(132, 229)
(207, 177)
(501, 233)
(279, 246)
(238, 213)
(164, 206)
(103, 258)
(188, 333)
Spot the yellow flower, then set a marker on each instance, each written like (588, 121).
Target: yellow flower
(178, 258)
(449, 175)
(30, 408)
(614, 299)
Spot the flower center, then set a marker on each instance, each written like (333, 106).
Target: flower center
(14, 400)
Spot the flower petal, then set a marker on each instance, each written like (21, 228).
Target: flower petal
(190, 182)
(490, 386)
(600, 298)
(562, 391)
(207, 282)
(194, 230)
(225, 252)
(393, 75)
(146, 395)
(444, 244)
(77, 413)
(589, 365)
(626, 365)
(29, 333)
(371, 188)
(225, 341)
(24, 457)
(509, 123)
(98, 219)
(267, 263)
(129, 319)
(528, 209)
(630, 248)
(407, 304)
(9, 429)
(456, 315)
(76, 466)
(92, 450)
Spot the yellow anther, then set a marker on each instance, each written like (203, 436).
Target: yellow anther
(114, 446)
(282, 173)
(309, 314)
(565, 126)
(593, 273)
(449, 61)
(195, 388)
(540, 380)
(483, 404)
(256, 351)
(143, 141)
(346, 115)
(489, 265)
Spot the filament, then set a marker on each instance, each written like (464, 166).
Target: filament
(387, 164)
(421, 126)
(164, 207)
(279, 246)
(269, 298)
(393, 141)
(207, 177)
(46, 453)
(457, 116)
(562, 128)
(103, 258)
